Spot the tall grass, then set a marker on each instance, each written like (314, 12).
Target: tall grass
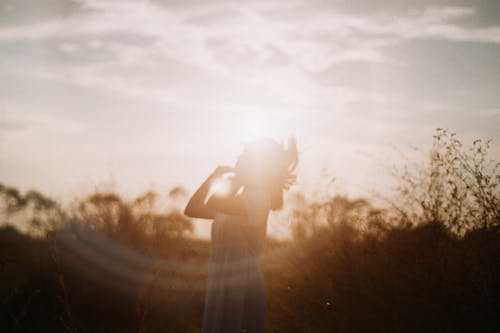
(459, 187)
(428, 263)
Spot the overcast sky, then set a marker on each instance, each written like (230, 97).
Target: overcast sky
(157, 93)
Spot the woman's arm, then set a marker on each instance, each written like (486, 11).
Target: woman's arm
(228, 202)
(196, 206)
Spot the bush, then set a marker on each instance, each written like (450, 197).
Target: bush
(131, 266)
(458, 187)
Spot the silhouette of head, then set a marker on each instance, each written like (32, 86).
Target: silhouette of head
(268, 165)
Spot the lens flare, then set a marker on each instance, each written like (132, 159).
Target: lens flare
(221, 186)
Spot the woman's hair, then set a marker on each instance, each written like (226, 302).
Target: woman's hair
(269, 165)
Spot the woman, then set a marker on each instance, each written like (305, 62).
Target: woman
(235, 297)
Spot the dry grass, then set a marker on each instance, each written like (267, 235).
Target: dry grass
(428, 264)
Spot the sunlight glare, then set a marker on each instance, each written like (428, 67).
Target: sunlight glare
(221, 186)
(249, 124)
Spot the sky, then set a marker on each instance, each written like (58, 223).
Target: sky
(150, 94)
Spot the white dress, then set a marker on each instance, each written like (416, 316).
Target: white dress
(235, 298)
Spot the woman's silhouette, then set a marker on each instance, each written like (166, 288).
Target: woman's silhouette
(235, 297)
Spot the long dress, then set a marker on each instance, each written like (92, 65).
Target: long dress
(235, 298)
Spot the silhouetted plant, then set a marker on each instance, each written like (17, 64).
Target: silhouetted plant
(42, 213)
(309, 217)
(458, 187)
(353, 267)
(139, 223)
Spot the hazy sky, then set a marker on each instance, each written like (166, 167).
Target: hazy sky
(156, 93)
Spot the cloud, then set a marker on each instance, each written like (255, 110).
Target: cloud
(69, 47)
(436, 23)
(250, 49)
(313, 41)
(10, 125)
(130, 81)
(231, 42)
(39, 124)
(25, 12)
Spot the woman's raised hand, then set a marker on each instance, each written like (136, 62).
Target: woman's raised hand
(220, 170)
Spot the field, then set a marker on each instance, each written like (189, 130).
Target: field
(428, 261)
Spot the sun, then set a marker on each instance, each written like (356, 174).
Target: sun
(251, 123)
(254, 127)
